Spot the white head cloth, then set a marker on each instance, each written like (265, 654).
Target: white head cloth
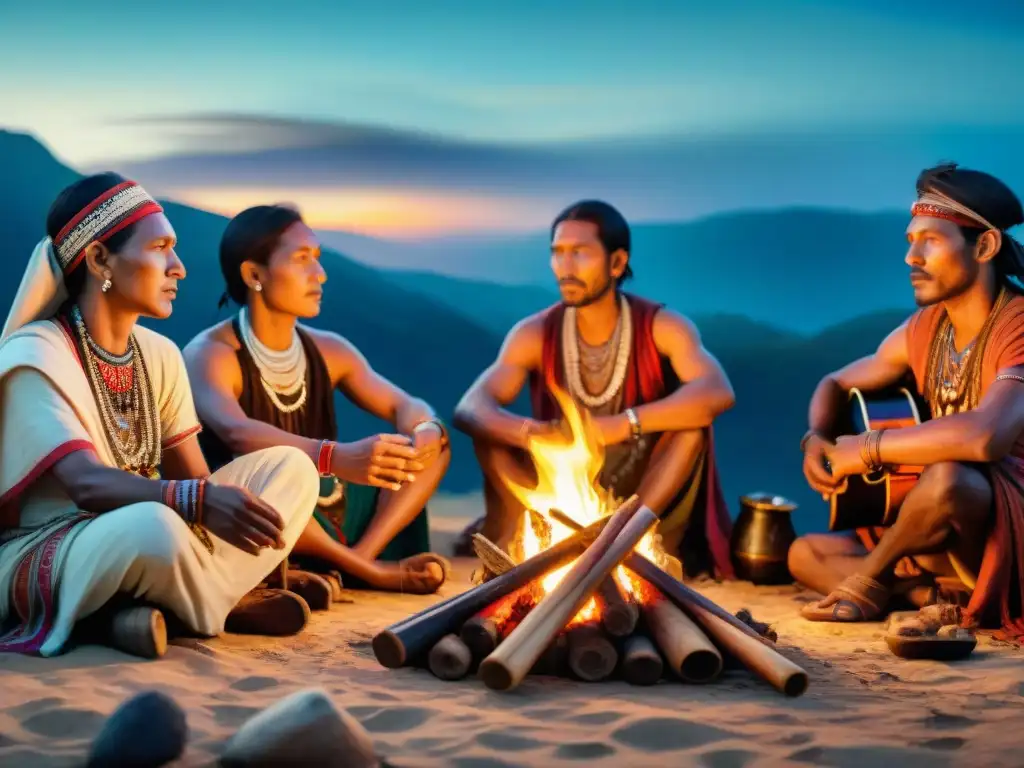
(41, 292)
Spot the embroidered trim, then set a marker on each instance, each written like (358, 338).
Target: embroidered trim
(108, 214)
(181, 437)
(8, 520)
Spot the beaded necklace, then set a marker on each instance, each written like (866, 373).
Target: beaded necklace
(621, 341)
(281, 373)
(124, 395)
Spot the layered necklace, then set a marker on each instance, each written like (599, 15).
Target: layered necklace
(609, 359)
(955, 377)
(124, 395)
(282, 374)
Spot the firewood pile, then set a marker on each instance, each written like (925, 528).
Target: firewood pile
(591, 626)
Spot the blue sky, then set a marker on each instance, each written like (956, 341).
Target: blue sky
(680, 108)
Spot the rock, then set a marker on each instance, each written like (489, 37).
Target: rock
(302, 729)
(146, 730)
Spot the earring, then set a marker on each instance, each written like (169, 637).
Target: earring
(106, 285)
(258, 286)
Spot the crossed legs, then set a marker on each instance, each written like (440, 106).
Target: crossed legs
(947, 513)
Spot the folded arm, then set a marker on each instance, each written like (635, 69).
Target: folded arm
(480, 413)
(706, 392)
(352, 374)
(986, 434)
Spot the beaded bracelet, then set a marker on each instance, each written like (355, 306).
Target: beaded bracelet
(323, 457)
(186, 498)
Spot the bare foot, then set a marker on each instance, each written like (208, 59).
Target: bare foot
(420, 574)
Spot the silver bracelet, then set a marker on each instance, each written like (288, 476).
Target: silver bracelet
(634, 424)
(1010, 377)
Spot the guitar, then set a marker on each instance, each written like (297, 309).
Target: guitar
(874, 498)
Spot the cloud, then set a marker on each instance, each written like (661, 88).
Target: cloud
(668, 175)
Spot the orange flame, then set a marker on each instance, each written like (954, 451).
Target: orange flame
(567, 472)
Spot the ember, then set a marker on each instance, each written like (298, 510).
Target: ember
(586, 593)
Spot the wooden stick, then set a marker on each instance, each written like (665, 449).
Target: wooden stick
(763, 660)
(405, 640)
(674, 589)
(480, 634)
(641, 662)
(450, 659)
(493, 558)
(688, 651)
(592, 656)
(728, 631)
(508, 665)
(619, 613)
(554, 660)
(483, 632)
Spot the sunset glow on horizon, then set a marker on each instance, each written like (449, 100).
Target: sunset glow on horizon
(384, 213)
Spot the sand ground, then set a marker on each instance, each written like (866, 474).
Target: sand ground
(864, 707)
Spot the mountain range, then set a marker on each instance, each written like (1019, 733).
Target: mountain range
(751, 281)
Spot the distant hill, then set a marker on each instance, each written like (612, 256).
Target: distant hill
(801, 269)
(433, 334)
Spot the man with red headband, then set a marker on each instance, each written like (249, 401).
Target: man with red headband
(110, 520)
(964, 348)
(639, 369)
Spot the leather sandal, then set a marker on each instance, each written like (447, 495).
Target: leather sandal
(857, 598)
(272, 612)
(311, 587)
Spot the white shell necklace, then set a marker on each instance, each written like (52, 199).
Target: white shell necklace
(571, 357)
(281, 373)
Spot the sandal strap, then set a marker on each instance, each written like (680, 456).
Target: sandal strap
(863, 592)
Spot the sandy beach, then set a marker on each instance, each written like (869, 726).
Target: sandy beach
(863, 706)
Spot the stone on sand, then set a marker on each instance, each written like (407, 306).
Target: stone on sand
(147, 730)
(302, 729)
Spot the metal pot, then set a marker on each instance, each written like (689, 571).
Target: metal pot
(761, 538)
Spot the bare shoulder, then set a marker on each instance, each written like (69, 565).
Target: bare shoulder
(525, 340)
(672, 329)
(215, 349)
(333, 347)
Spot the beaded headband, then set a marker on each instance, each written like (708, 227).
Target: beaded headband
(940, 206)
(108, 214)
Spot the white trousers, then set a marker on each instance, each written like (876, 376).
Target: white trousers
(146, 550)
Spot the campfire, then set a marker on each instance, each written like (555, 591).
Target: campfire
(586, 591)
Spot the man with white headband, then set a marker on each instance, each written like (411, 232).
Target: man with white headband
(108, 512)
(962, 522)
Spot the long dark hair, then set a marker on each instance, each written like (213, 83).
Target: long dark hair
(251, 236)
(69, 203)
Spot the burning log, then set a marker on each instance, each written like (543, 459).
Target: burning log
(641, 662)
(619, 613)
(484, 631)
(396, 645)
(450, 659)
(688, 651)
(506, 667)
(592, 656)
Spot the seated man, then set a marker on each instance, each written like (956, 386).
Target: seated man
(622, 359)
(111, 524)
(964, 517)
(262, 380)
